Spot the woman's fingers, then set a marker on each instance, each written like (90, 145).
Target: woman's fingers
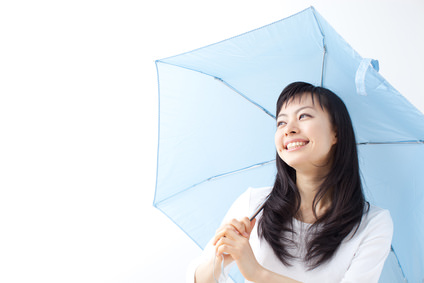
(223, 231)
(231, 243)
(225, 245)
(234, 225)
(241, 226)
(230, 233)
(223, 249)
(232, 246)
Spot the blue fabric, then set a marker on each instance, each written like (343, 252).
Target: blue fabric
(216, 120)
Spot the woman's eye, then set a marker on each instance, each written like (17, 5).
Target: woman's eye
(302, 116)
(280, 123)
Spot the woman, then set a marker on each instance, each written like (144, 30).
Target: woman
(315, 225)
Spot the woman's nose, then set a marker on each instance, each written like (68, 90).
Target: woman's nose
(290, 129)
(289, 133)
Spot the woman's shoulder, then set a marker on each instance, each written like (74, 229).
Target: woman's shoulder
(377, 218)
(375, 212)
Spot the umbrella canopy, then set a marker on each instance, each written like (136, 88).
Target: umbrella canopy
(217, 124)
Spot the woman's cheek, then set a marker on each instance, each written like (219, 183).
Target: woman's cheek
(278, 141)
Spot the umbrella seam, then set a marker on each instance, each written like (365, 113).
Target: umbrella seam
(181, 228)
(394, 142)
(398, 262)
(323, 64)
(184, 67)
(318, 23)
(245, 97)
(214, 178)
(226, 84)
(323, 45)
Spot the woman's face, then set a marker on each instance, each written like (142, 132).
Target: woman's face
(305, 135)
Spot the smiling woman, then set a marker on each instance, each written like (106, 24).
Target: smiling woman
(304, 131)
(315, 225)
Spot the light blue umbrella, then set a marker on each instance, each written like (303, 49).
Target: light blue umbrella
(216, 129)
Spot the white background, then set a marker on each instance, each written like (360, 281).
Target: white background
(78, 122)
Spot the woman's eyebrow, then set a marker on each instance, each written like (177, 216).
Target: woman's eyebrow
(298, 110)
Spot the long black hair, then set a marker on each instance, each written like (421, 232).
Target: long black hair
(342, 185)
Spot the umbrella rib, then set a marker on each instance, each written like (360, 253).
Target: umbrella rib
(245, 97)
(184, 67)
(323, 45)
(226, 84)
(395, 142)
(236, 171)
(398, 262)
(217, 177)
(322, 67)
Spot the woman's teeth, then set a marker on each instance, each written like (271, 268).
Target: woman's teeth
(295, 144)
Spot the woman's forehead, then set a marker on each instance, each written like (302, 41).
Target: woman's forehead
(301, 99)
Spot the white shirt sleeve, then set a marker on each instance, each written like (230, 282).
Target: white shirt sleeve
(368, 261)
(239, 209)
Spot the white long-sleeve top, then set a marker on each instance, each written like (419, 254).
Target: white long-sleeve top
(358, 259)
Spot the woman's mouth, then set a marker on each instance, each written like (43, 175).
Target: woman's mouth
(295, 145)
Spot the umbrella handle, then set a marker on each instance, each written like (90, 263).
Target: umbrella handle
(259, 209)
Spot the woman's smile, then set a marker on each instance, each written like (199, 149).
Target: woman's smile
(295, 144)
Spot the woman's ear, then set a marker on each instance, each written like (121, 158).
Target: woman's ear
(335, 137)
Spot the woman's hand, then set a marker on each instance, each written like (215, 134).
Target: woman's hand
(232, 241)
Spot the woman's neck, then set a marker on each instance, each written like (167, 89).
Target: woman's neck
(308, 187)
